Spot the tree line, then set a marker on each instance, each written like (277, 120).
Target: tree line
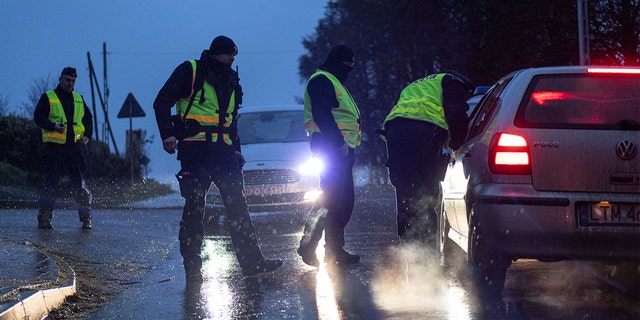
(399, 41)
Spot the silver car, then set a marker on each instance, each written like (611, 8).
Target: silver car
(549, 171)
(280, 173)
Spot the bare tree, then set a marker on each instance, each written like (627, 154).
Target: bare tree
(34, 92)
(4, 105)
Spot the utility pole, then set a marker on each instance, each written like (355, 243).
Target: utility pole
(93, 101)
(105, 102)
(108, 131)
(583, 32)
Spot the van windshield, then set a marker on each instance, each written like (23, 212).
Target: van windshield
(271, 126)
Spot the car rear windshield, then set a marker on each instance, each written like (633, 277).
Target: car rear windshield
(582, 101)
(271, 126)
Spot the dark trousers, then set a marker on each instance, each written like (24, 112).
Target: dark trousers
(414, 163)
(332, 211)
(195, 179)
(57, 158)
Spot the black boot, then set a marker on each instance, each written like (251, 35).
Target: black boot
(313, 228)
(86, 223)
(84, 214)
(309, 256)
(340, 256)
(44, 218)
(193, 269)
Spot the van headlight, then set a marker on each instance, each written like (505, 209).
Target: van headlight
(311, 166)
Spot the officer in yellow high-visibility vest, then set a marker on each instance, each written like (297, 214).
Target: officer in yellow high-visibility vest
(429, 118)
(207, 93)
(66, 124)
(332, 120)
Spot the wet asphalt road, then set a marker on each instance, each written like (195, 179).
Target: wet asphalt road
(133, 254)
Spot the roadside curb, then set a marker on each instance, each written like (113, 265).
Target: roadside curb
(39, 301)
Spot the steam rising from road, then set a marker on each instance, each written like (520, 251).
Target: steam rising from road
(410, 279)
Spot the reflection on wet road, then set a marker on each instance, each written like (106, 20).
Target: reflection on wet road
(136, 252)
(395, 281)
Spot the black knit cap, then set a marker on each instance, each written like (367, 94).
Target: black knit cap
(467, 82)
(222, 44)
(69, 71)
(340, 53)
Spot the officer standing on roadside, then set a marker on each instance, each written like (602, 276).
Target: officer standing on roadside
(207, 95)
(66, 124)
(429, 118)
(332, 120)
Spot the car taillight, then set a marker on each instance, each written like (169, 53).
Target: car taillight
(614, 70)
(509, 154)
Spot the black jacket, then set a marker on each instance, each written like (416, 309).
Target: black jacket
(455, 110)
(178, 86)
(41, 114)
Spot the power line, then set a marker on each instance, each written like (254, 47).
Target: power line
(155, 53)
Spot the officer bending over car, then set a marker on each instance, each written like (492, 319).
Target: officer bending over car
(428, 119)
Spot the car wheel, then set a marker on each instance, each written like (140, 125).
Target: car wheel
(444, 245)
(487, 268)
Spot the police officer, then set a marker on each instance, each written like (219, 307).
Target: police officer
(207, 95)
(66, 126)
(428, 118)
(332, 120)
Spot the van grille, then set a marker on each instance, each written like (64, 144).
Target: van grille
(270, 176)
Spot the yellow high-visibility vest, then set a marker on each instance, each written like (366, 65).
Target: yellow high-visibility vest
(57, 116)
(421, 100)
(206, 113)
(347, 115)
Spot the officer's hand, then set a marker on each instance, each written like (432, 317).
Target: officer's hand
(170, 144)
(241, 159)
(59, 127)
(84, 140)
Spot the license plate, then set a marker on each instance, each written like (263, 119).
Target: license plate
(265, 190)
(605, 213)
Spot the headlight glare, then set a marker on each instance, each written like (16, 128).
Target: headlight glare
(311, 166)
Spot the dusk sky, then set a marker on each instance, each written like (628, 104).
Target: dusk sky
(145, 41)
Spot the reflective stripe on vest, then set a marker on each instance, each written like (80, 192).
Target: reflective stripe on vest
(346, 115)
(421, 100)
(206, 112)
(57, 116)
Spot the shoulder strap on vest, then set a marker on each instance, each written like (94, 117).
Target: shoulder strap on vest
(196, 85)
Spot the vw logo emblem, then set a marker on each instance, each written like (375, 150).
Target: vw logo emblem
(626, 150)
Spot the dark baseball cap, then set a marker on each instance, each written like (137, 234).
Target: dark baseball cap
(69, 71)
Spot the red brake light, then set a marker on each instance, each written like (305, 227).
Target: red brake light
(509, 154)
(613, 70)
